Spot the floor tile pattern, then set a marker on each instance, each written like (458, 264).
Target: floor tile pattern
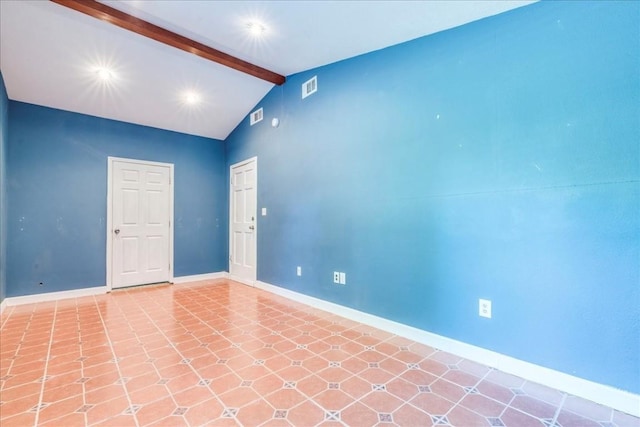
(218, 353)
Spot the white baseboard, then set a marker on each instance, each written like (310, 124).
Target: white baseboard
(605, 395)
(3, 305)
(54, 296)
(199, 277)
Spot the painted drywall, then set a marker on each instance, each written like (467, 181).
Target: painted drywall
(497, 160)
(58, 197)
(4, 142)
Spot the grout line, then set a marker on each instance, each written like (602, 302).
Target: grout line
(157, 371)
(16, 351)
(611, 415)
(46, 364)
(559, 408)
(115, 357)
(84, 387)
(6, 313)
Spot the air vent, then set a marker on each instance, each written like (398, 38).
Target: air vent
(309, 87)
(256, 116)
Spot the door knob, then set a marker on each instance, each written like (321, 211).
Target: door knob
(251, 227)
(117, 231)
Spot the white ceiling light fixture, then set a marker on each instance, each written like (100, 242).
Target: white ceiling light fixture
(191, 97)
(256, 29)
(104, 74)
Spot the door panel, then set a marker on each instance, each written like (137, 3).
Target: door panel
(130, 251)
(130, 204)
(156, 249)
(156, 208)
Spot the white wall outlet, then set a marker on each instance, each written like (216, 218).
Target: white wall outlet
(336, 277)
(299, 271)
(343, 278)
(264, 211)
(484, 308)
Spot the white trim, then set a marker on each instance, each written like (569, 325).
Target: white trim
(110, 161)
(199, 277)
(54, 296)
(233, 166)
(3, 305)
(605, 395)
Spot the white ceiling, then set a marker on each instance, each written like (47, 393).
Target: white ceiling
(48, 53)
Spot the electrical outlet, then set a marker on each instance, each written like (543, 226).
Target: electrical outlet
(343, 278)
(336, 277)
(299, 271)
(484, 308)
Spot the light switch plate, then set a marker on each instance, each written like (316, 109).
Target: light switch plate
(264, 211)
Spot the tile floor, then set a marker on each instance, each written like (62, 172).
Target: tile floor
(221, 353)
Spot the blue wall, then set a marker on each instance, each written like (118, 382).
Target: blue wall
(58, 196)
(4, 142)
(496, 160)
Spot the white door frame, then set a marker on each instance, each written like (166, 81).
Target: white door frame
(110, 162)
(235, 165)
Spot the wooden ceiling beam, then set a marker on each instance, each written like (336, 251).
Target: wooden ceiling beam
(147, 29)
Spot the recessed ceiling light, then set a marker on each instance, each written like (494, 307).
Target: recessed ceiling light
(255, 28)
(104, 74)
(191, 97)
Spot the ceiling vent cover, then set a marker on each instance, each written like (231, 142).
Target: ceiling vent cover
(256, 116)
(310, 87)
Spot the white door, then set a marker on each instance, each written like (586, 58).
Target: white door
(242, 233)
(139, 234)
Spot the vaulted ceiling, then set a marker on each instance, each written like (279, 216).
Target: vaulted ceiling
(53, 56)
